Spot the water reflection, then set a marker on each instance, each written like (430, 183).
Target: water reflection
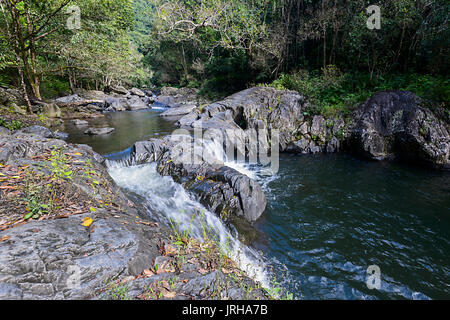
(131, 126)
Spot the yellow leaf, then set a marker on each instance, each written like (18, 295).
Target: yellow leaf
(77, 154)
(87, 221)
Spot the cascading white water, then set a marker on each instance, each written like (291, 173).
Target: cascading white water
(213, 149)
(168, 202)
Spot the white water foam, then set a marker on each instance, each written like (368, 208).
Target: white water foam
(168, 201)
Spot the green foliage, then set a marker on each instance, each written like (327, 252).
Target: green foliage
(36, 208)
(331, 92)
(59, 167)
(35, 198)
(11, 125)
(53, 87)
(224, 46)
(98, 54)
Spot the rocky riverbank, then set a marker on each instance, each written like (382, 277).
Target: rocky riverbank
(68, 232)
(392, 125)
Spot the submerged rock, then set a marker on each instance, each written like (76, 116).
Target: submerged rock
(80, 123)
(99, 131)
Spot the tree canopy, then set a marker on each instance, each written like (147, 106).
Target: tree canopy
(216, 45)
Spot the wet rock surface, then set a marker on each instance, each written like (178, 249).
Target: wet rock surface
(99, 131)
(221, 189)
(179, 111)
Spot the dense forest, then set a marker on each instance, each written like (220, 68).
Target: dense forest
(323, 49)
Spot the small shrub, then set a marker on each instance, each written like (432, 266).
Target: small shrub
(11, 125)
(331, 92)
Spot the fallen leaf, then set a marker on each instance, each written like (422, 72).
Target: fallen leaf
(87, 221)
(202, 271)
(4, 238)
(170, 249)
(148, 272)
(169, 294)
(8, 187)
(226, 271)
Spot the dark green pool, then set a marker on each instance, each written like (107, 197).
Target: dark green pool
(330, 217)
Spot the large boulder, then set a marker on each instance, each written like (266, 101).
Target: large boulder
(222, 190)
(69, 99)
(99, 131)
(319, 135)
(179, 111)
(137, 92)
(118, 89)
(44, 264)
(174, 97)
(9, 96)
(42, 132)
(136, 103)
(51, 110)
(396, 125)
(259, 108)
(116, 104)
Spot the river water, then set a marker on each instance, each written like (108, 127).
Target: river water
(328, 218)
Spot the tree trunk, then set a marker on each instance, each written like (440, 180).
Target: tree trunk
(17, 46)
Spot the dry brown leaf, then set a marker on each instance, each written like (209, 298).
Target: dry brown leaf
(148, 272)
(169, 294)
(170, 249)
(226, 271)
(203, 271)
(4, 238)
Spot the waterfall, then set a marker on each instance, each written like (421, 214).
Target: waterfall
(168, 202)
